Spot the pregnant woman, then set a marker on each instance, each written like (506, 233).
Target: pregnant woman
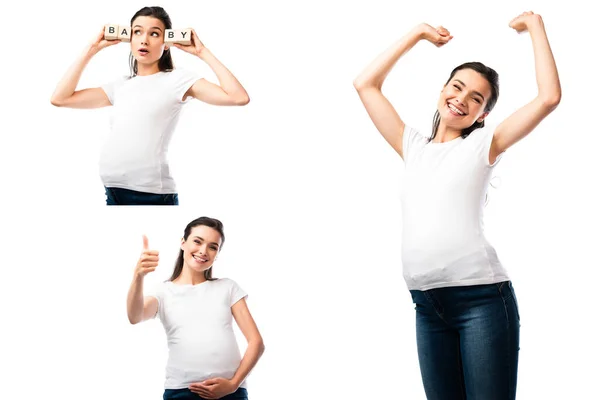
(196, 311)
(146, 105)
(467, 316)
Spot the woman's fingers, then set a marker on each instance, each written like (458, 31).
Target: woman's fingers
(442, 31)
(206, 395)
(437, 36)
(519, 23)
(195, 37)
(201, 392)
(440, 36)
(111, 42)
(148, 259)
(150, 253)
(443, 40)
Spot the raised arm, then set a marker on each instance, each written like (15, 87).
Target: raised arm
(524, 120)
(140, 308)
(65, 95)
(369, 82)
(229, 91)
(216, 388)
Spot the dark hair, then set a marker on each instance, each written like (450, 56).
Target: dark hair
(206, 221)
(492, 77)
(166, 62)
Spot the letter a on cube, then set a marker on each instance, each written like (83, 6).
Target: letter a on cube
(124, 33)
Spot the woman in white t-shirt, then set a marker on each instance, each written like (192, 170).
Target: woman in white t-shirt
(133, 163)
(467, 316)
(196, 311)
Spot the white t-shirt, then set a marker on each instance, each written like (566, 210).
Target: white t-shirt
(144, 115)
(198, 323)
(442, 209)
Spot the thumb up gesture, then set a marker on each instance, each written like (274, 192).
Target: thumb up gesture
(148, 260)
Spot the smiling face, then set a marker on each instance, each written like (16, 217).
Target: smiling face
(463, 99)
(147, 39)
(201, 248)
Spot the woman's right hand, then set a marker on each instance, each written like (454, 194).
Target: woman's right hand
(438, 36)
(100, 43)
(148, 260)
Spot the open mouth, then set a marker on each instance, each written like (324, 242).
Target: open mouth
(455, 110)
(200, 259)
(143, 52)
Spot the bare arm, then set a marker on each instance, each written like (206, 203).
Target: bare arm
(524, 120)
(65, 95)
(229, 91)
(255, 348)
(369, 83)
(141, 308)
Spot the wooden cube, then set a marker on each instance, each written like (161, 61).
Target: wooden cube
(124, 33)
(111, 32)
(180, 36)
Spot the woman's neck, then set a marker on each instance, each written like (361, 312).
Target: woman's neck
(445, 134)
(190, 277)
(145, 70)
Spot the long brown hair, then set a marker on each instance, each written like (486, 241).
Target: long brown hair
(206, 221)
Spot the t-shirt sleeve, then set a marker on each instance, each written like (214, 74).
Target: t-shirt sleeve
(236, 293)
(410, 139)
(182, 81)
(110, 88)
(483, 144)
(156, 291)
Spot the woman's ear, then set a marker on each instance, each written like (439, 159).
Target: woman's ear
(482, 117)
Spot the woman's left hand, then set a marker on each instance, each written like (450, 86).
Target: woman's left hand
(214, 388)
(195, 48)
(521, 23)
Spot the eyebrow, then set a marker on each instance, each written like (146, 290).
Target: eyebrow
(474, 91)
(154, 27)
(203, 240)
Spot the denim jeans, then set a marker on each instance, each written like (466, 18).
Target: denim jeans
(187, 394)
(468, 341)
(126, 197)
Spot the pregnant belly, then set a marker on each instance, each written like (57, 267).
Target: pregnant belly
(195, 360)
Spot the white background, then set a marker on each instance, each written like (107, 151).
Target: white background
(307, 189)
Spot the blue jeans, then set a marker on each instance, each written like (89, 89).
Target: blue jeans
(185, 394)
(126, 197)
(468, 341)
